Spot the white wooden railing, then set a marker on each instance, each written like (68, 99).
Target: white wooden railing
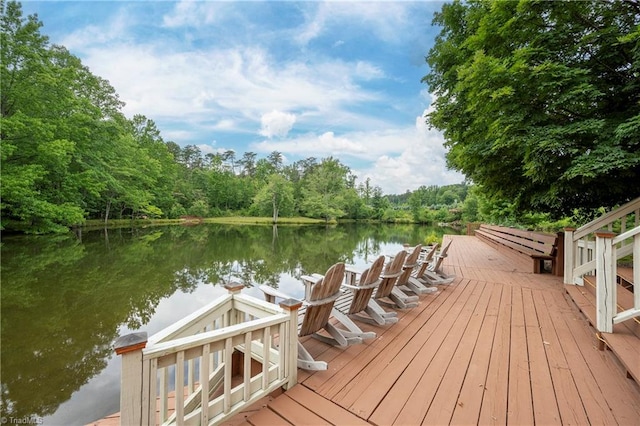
(595, 249)
(199, 370)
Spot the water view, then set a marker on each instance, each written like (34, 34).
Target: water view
(65, 299)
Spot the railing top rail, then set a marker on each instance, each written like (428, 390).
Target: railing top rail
(606, 219)
(185, 322)
(184, 343)
(245, 303)
(630, 233)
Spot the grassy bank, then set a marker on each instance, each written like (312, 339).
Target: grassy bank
(232, 220)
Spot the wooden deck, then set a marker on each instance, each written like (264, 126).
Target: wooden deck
(499, 345)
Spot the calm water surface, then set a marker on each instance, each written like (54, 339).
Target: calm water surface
(65, 299)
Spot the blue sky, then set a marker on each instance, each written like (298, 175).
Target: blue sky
(307, 79)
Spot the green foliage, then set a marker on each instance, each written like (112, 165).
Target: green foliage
(275, 197)
(538, 101)
(431, 239)
(199, 208)
(324, 190)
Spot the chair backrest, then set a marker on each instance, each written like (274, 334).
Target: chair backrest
(445, 249)
(320, 302)
(390, 275)
(410, 262)
(440, 257)
(369, 280)
(424, 261)
(430, 253)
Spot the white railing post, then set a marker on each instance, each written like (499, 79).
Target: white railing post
(291, 343)
(605, 281)
(636, 270)
(569, 255)
(234, 288)
(131, 378)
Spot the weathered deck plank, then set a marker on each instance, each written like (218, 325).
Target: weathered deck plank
(469, 402)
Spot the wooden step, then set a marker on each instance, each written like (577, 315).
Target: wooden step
(625, 277)
(624, 342)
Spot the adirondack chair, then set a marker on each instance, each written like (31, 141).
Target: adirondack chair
(388, 294)
(426, 255)
(406, 281)
(358, 297)
(433, 274)
(313, 317)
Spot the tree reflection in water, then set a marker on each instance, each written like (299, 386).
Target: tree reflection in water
(65, 299)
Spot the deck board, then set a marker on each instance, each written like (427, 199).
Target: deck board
(545, 405)
(468, 404)
(565, 390)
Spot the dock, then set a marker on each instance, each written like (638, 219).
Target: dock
(499, 345)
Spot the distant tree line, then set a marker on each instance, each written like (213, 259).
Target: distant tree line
(69, 154)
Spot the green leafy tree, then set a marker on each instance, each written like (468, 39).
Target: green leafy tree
(324, 190)
(54, 114)
(275, 196)
(539, 101)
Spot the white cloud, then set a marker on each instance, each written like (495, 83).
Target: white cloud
(312, 145)
(368, 71)
(116, 29)
(205, 148)
(189, 13)
(217, 84)
(276, 123)
(422, 162)
(401, 158)
(384, 19)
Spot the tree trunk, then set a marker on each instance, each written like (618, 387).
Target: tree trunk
(106, 213)
(275, 210)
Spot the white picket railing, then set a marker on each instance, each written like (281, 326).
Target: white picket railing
(595, 249)
(609, 248)
(184, 374)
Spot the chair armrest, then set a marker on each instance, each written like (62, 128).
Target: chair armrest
(309, 281)
(362, 287)
(271, 293)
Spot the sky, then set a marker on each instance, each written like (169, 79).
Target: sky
(306, 79)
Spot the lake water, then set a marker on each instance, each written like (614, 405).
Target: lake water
(65, 299)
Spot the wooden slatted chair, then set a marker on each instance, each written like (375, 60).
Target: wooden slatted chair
(388, 294)
(406, 281)
(426, 255)
(356, 302)
(433, 274)
(320, 296)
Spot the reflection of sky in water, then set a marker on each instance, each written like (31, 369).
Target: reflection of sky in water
(100, 396)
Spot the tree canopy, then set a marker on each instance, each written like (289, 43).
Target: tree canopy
(539, 101)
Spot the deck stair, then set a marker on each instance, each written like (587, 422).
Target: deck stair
(596, 248)
(623, 341)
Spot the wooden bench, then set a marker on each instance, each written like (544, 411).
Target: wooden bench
(537, 245)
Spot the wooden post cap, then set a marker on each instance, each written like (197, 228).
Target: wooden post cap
(605, 234)
(130, 342)
(234, 287)
(569, 228)
(290, 304)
